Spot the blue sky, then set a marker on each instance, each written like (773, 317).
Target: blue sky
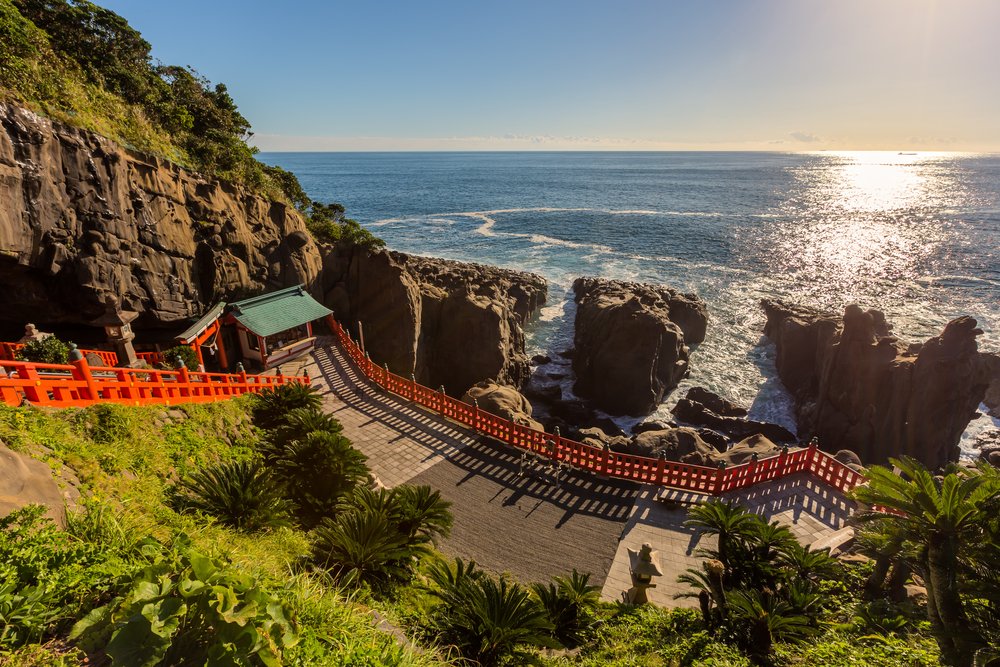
(630, 75)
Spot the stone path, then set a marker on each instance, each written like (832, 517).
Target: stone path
(809, 508)
(518, 519)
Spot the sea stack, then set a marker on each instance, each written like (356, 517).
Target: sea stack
(632, 342)
(859, 387)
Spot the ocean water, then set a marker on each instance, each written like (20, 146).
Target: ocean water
(916, 236)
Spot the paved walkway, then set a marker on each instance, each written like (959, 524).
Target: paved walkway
(517, 518)
(809, 508)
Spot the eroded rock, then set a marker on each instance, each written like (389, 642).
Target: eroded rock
(858, 387)
(503, 401)
(83, 216)
(631, 342)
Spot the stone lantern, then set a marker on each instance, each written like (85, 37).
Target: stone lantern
(117, 325)
(644, 564)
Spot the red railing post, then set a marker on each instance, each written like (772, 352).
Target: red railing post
(475, 415)
(813, 452)
(413, 387)
(441, 397)
(34, 391)
(605, 457)
(720, 474)
(661, 465)
(81, 371)
(183, 381)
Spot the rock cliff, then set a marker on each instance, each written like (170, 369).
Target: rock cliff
(858, 387)
(82, 216)
(632, 342)
(450, 324)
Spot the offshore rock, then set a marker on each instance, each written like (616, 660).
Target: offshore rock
(735, 428)
(448, 323)
(81, 216)
(631, 342)
(502, 401)
(858, 387)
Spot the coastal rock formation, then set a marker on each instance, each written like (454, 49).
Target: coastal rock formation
(992, 398)
(26, 481)
(733, 424)
(450, 324)
(632, 342)
(503, 401)
(82, 216)
(858, 387)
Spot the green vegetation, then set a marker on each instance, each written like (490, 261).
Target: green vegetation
(195, 543)
(48, 350)
(84, 65)
(183, 352)
(947, 530)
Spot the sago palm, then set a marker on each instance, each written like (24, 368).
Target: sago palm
(569, 602)
(424, 514)
(943, 517)
(728, 521)
(239, 494)
(362, 548)
(271, 406)
(317, 470)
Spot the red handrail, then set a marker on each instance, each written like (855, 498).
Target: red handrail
(700, 479)
(78, 385)
(8, 352)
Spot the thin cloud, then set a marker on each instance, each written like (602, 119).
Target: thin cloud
(805, 137)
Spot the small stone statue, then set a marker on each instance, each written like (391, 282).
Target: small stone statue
(32, 334)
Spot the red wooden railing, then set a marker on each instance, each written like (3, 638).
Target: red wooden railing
(8, 352)
(699, 479)
(78, 385)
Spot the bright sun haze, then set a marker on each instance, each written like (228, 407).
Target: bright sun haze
(769, 75)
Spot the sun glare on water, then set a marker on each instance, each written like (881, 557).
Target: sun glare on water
(863, 224)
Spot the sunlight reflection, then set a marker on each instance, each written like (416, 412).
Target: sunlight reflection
(864, 225)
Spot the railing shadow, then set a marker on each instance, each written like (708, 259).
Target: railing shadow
(575, 491)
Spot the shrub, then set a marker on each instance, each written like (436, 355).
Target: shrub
(240, 494)
(271, 407)
(186, 354)
(186, 608)
(48, 350)
(570, 603)
(488, 620)
(317, 471)
(46, 577)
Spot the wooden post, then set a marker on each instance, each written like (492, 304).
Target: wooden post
(475, 415)
(33, 391)
(183, 381)
(361, 335)
(262, 348)
(661, 465)
(752, 470)
(81, 371)
(605, 457)
(223, 359)
(441, 397)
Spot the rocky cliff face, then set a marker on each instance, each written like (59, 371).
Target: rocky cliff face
(450, 324)
(82, 216)
(860, 388)
(632, 342)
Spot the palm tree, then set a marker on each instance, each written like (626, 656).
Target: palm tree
(271, 406)
(240, 494)
(362, 547)
(728, 521)
(942, 516)
(424, 513)
(317, 470)
(569, 602)
(487, 619)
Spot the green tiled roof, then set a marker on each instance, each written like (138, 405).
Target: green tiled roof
(203, 323)
(272, 313)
